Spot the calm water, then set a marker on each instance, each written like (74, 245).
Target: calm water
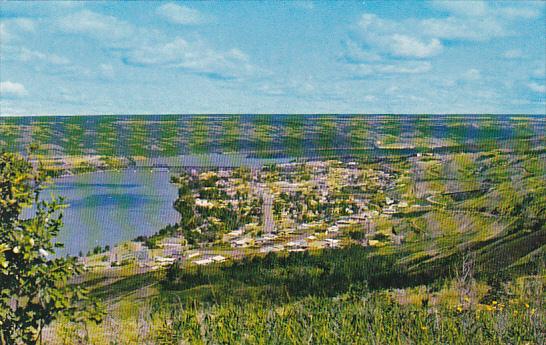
(114, 206)
(110, 207)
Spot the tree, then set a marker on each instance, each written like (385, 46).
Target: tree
(34, 284)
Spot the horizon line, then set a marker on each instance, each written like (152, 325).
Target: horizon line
(273, 114)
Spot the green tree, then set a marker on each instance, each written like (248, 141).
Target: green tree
(34, 285)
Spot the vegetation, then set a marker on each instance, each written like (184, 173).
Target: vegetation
(351, 296)
(463, 262)
(34, 288)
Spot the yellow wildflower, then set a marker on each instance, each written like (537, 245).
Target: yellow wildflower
(526, 306)
(494, 302)
(424, 328)
(459, 308)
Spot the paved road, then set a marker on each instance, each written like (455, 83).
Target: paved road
(267, 211)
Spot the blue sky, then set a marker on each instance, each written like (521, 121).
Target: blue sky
(272, 57)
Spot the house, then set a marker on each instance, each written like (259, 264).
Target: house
(242, 243)
(192, 255)
(275, 248)
(203, 203)
(296, 250)
(332, 243)
(267, 249)
(162, 261)
(270, 237)
(202, 262)
(218, 258)
(120, 257)
(332, 229)
(235, 233)
(301, 244)
(142, 255)
(260, 240)
(389, 210)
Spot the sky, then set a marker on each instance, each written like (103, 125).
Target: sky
(69, 58)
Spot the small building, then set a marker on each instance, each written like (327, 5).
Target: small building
(203, 203)
(332, 229)
(331, 243)
(301, 244)
(218, 258)
(389, 210)
(403, 204)
(236, 233)
(242, 243)
(162, 261)
(275, 248)
(203, 262)
(142, 255)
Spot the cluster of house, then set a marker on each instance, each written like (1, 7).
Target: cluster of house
(285, 235)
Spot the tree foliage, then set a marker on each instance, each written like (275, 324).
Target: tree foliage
(35, 285)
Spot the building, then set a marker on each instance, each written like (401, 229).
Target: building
(242, 243)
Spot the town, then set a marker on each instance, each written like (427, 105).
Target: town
(230, 213)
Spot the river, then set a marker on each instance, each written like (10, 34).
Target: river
(106, 208)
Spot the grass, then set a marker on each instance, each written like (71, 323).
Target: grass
(355, 317)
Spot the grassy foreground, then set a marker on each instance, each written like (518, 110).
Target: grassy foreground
(347, 296)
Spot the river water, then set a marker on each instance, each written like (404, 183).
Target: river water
(106, 208)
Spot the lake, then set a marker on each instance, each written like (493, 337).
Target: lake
(106, 208)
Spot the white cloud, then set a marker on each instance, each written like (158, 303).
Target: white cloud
(301, 88)
(388, 40)
(181, 14)
(97, 25)
(11, 29)
(479, 20)
(513, 54)
(353, 53)
(522, 12)
(8, 88)
(539, 72)
(304, 5)
(23, 24)
(194, 57)
(106, 71)
(28, 55)
(396, 38)
(463, 8)
(44, 62)
(148, 47)
(516, 10)
(463, 28)
(472, 74)
(466, 20)
(403, 45)
(536, 87)
(404, 67)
